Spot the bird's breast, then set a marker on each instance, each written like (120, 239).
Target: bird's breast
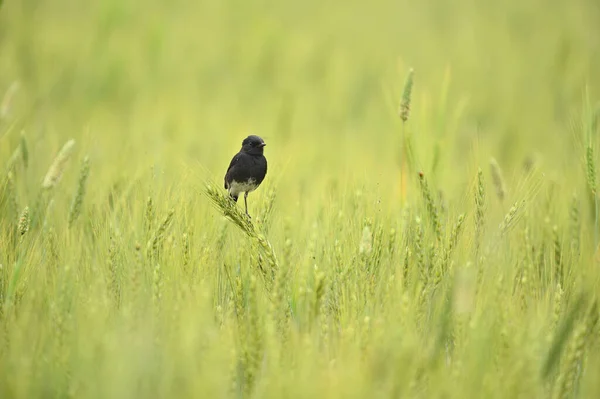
(236, 187)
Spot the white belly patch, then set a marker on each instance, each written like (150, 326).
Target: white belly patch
(235, 188)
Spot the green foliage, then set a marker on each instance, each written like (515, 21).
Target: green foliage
(133, 274)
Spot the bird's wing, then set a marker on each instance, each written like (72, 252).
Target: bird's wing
(231, 165)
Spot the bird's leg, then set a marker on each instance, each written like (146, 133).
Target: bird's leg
(246, 203)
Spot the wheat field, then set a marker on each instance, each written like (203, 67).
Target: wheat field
(428, 228)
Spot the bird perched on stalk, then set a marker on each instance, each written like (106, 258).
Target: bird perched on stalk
(247, 169)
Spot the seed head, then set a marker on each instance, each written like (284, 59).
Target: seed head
(497, 178)
(406, 95)
(58, 166)
(24, 222)
(24, 151)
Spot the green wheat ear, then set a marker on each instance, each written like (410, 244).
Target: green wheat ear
(79, 194)
(561, 337)
(24, 150)
(58, 166)
(404, 110)
(480, 204)
(23, 226)
(590, 162)
(241, 220)
(498, 179)
(511, 217)
(229, 209)
(10, 193)
(153, 245)
(583, 334)
(267, 210)
(430, 206)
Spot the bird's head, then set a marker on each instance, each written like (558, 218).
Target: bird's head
(253, 145)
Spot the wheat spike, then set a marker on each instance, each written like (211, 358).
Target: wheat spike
(590, 161)
(406, 96)
(480, 202)
(10, 193)
(23, 226)
(511, 217)
(498, 179)
(430, 205)
(79, 194)
(58, 166)
(153, 244)
(244, 223)
(24, 150)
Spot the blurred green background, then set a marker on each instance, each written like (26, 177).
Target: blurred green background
(143, 83)
(160, 96)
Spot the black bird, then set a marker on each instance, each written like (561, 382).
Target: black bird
(247, 169)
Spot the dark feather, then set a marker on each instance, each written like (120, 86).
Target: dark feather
(244, 167)
(247, 169)
(231, 165)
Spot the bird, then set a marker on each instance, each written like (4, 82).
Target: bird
(247, 169)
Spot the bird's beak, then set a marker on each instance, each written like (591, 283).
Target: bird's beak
(262, 145)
